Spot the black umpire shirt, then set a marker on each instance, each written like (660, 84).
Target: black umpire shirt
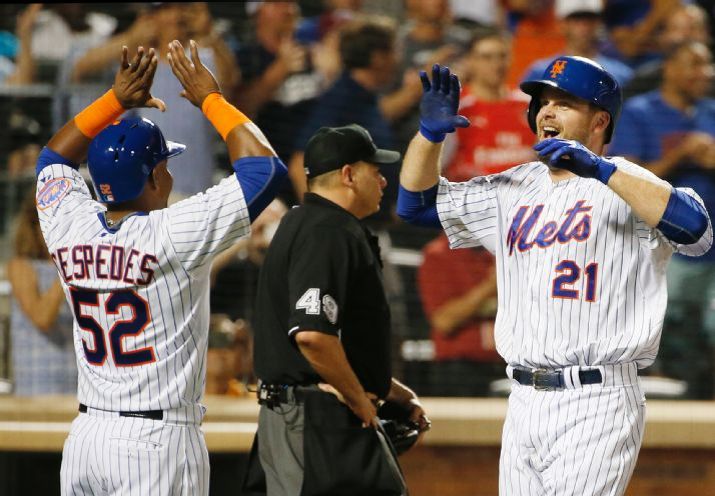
(322, 272)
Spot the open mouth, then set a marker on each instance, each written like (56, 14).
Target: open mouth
(549, 132)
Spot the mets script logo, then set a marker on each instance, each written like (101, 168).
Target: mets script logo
(575, 227)
(52, 192)
(558, 68)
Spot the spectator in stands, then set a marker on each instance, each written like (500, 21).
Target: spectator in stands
(428, 37)
(458, 290)
(671, 131)
(499, 136)
(634, 26)
(63, 32)
(471, 14)
(369, 60)
(325, 52)
(581, 24)
(534, 26)
(229, 363)
(23, 70)
(234, 279)
(157, 27)
(234, 272)
(23, 145)
(280, 83)
(687, 23)
(43, 356)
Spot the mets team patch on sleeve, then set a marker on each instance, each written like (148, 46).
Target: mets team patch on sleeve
(52, 192)
(330, 307)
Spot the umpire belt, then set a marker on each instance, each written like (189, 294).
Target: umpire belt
(146, 414)
(273, 395)
(555, 380)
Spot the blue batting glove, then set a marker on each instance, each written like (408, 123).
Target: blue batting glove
(439, 104)
(573, 156)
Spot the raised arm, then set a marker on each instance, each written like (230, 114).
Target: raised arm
(131, 89)
(25, 68)
(258, 169)
(420, 169)
(676, 214)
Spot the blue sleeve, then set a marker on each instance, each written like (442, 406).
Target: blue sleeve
(419, 207)
(260, 179)
(684, 220)
(49, 157)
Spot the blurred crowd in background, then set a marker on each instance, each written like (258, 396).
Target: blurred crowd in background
(296, 66)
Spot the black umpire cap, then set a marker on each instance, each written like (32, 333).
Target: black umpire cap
(330, 148)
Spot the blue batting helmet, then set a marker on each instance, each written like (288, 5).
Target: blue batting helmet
(122, 156)
(580, 77)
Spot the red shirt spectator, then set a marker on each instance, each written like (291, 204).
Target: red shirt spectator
(499, 137)
(465, 277)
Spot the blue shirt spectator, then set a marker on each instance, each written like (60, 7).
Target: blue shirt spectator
(347, 102)
(369, 60)
(649, 128)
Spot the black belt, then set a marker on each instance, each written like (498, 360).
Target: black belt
(272, 395)
(549, 380)
(147, 414)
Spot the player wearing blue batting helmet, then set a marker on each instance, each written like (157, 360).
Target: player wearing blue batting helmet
(121, 158)
(582, 78)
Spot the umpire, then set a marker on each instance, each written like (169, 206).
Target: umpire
(322, 333)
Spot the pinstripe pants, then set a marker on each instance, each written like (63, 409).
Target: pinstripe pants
(582, 441)
(110, 455)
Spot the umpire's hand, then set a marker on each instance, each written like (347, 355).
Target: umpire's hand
(132, 83)
(197, 80)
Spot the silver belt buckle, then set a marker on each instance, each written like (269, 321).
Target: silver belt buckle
(536, 380)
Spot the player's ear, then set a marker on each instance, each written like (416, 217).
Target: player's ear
(153, 180)
(601, 120)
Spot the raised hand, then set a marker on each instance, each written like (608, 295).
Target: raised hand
(132, 83)
(197, 80)
(439, 104)
(575, 157)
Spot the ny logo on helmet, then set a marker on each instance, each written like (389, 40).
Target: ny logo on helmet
(558, 68)
(106, 191)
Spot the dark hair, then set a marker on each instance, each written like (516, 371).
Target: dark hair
(360, 39)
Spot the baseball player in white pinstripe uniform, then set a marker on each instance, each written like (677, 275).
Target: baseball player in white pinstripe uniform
(136, 275)
(581, 243)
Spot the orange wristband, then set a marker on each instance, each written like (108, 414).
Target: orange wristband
(222, 114)
(100, 113)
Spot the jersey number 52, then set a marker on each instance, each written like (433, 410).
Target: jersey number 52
(133, 326)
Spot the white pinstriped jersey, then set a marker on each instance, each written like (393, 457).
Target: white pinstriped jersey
(581, 279)
(139, 290)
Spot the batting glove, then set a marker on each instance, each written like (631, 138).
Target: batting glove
(439, 104)
(573, 156)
